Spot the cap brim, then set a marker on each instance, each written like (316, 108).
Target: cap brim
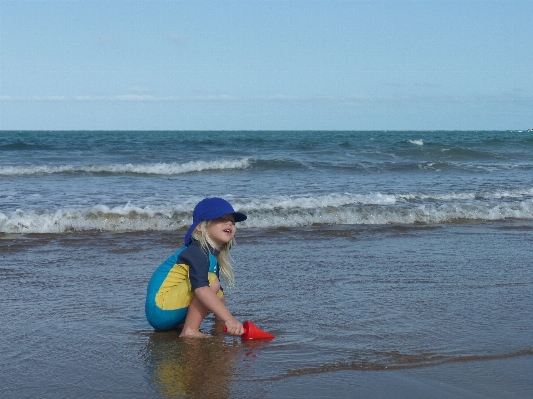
(239, 216)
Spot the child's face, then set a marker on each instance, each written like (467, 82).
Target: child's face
(221, 230)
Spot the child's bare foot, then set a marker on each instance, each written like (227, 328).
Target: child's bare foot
(192, 334)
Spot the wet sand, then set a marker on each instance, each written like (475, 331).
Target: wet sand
(508, 378)
(433, 312)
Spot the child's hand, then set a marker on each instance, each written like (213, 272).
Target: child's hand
(234, 326)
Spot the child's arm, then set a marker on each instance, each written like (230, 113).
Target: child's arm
(212, 302)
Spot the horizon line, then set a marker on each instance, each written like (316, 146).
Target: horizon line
(529, 130)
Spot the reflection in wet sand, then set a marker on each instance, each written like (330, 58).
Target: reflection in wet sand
(196, 367)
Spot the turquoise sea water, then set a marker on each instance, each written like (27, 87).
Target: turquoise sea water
(52, 182)
(362, 251)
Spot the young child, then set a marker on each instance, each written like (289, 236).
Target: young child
(186, 287)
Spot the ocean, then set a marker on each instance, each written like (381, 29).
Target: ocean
(378, 259)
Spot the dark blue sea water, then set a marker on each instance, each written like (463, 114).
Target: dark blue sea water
(363, 251)
(53, 182)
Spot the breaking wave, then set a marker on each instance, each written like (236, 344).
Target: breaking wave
(285, 211)
(153, 168)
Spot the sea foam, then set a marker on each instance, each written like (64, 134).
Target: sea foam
(275, 212)
(152, 168)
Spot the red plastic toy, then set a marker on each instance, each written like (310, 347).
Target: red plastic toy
(251, 331)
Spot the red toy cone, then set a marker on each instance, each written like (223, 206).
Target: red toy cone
(251, 331)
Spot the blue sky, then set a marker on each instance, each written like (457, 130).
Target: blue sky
(272, 65)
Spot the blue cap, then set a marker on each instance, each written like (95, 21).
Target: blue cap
(210, 209)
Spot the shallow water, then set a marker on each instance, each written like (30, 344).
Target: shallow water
(372, 256)
(338, 298)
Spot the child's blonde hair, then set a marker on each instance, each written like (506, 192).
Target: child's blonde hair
(224, 258)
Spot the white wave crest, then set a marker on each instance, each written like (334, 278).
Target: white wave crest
(490, 195)
(100, 217)
(428, 214)
(273, 213)
(153, 168)
(317, 202)
(416, 142)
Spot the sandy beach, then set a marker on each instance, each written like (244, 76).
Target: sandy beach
(508, 378)
(76, 326)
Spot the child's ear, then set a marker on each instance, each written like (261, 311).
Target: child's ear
(198, 229)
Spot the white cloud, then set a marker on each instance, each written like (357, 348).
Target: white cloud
(136, 97)
(49, 98)
(91, 98)
(219, 97)
(140, 95)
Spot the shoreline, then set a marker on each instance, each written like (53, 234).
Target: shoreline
(495, 378)
(444, 308)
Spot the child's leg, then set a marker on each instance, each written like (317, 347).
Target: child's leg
(196, 313)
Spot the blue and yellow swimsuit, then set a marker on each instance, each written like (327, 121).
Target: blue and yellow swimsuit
(171, 288)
